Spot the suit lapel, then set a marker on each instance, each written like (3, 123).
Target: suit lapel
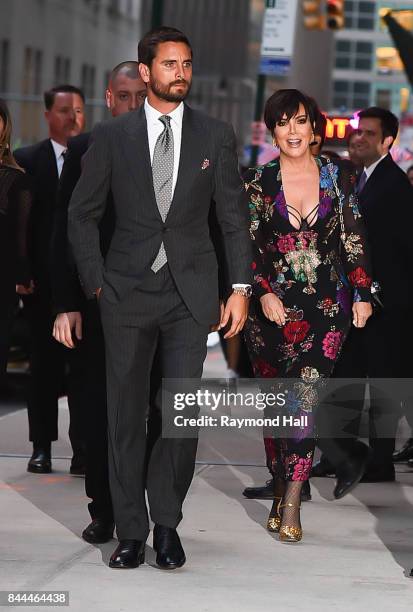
(136, 148)
(373, 183)
(190, 159)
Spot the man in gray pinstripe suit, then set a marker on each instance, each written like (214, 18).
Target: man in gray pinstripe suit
(164, 164)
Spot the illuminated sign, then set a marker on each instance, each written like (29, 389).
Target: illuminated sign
(339, 128)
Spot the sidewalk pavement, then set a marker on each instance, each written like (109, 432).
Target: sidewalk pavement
(356, 553)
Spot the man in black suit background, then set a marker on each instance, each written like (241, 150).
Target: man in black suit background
(43, 163)
(382, 348)
(164, 164)
(77, 324)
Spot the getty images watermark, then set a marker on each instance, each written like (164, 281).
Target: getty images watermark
(293, 407)
(214, 400)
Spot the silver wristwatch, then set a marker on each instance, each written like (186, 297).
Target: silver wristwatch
(244, 291)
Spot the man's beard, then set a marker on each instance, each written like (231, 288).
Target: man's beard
(164, 92)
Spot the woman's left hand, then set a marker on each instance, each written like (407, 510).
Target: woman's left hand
(361, 312)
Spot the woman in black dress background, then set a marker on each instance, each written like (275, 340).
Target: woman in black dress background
(311, 278)
(15, 204)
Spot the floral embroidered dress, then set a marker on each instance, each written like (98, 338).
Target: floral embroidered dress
(317, 271)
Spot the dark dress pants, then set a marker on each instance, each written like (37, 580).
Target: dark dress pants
(92, 353)
(7, 306)
(50, 363)
(379, 350)
(152, 316)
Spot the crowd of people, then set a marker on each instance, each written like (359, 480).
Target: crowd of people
(127, 245)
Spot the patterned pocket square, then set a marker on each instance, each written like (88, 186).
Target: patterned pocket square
(205, 164)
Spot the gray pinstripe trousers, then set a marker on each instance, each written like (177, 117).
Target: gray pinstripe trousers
(133, 327)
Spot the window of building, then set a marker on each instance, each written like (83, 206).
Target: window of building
(88, 80)
(4, 65)
(359, 15)
(27, 70)
(61, 70)
(383, 98)
(354, 55)
(351, 95)
(37, 76)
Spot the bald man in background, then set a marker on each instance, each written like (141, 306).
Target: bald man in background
(77, 324)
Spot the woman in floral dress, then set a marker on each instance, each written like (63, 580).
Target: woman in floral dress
(311, 279)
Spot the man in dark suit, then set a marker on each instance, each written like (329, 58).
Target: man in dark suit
(77, 324)
(381, 349)
(164, 164)
(43, 163)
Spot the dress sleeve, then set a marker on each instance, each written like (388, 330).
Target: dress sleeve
(355, 255)
(260, 269)
(22, 204)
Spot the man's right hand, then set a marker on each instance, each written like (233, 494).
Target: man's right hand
(64, 324)
(273, 308)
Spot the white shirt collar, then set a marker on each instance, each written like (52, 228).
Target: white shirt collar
(57, 148)
(369, 171)
(152, 115)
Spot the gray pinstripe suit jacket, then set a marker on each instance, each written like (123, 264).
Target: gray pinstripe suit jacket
(118, 161)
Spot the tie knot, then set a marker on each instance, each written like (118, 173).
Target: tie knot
(166, 120)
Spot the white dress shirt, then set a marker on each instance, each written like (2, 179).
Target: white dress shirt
(156, 127)
(369, 171)
(58, 151)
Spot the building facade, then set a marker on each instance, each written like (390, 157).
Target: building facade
(221, 34)
(367, 67)
(48, 42)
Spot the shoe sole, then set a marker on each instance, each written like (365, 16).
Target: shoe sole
(171, 567)
(140, 561)
(33, 470)
(89, 540)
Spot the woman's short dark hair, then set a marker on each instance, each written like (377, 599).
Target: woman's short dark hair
(286, 102)
(149, 43)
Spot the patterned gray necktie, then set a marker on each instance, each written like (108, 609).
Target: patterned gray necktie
(162, 173)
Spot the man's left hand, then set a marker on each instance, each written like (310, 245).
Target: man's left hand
(236, 310)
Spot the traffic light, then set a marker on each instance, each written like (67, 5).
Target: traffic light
(312, 15)
(335, 14)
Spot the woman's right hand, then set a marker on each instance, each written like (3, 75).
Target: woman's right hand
(273, 308)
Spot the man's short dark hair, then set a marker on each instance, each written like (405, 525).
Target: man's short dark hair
(409, 169)
(50, 94)
(287, 102)
(389, 122)
(149, 43)
(129, 69)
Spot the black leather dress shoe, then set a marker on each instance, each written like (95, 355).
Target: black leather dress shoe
(404, 453)
(410, 463)
(351, 471)
(322, 468)
(265, 492)
(40, 462)
(169, 552)
(128, 554)
(98, 531)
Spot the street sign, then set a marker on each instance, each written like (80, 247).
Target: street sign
(278, 37)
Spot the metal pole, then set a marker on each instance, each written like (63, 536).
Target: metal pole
(259, 99)
(157, 13)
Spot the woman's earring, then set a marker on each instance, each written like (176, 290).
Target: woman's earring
(274, 143)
